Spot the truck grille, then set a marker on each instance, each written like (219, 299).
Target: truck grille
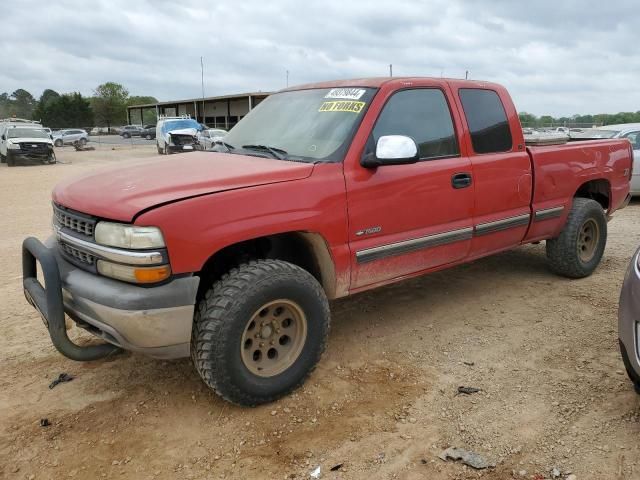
(73, 221)
(79, 255)
(181, 139)
(31, 147)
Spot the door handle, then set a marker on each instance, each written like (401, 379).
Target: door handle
(461, 180)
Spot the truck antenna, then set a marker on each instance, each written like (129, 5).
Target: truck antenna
(391, 69)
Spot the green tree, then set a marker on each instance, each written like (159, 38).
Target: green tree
(110, 104)
(5, 105)
(46, 98)
(68, 110)
(148, 115)
(528, 119)
(22, 104)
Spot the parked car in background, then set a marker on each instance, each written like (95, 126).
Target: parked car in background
(148, 132)
(630, 131)
(67, 137)
(629, 321)
(176, 134)
(26, 143)
(207, 138)
(129, 131)
(8, 123)
(99, 131)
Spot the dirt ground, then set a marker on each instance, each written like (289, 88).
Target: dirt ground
(542, 349)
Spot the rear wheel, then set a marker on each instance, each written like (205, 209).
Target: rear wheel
(148, 136)
(577, 251)
(126, 135)
(260, 331)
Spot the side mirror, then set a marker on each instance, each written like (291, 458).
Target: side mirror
(3, 137)
(392, 150)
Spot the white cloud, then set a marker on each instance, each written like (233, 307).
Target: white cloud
(559, 58)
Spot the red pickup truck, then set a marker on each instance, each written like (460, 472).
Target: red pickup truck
(322, 191)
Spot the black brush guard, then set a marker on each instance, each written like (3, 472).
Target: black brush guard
(48, 302)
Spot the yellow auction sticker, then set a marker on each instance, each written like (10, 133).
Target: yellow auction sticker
(342, 106)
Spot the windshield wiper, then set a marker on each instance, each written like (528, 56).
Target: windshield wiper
(225, 145)
(278, 153)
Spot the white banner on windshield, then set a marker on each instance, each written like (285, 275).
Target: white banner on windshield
(346, 93)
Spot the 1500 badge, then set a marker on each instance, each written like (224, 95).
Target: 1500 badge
(368, 231)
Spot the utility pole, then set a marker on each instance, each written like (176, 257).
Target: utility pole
(391, 69)
(466, 74)
(287, 78)
(202, 79)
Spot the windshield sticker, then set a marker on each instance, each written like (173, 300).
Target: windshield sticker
(342, 106)
(346, 93)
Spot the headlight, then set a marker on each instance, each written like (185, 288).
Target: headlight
(131, 274)
(13, 146)
(128, 236)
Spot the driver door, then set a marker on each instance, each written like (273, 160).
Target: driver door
(404, 219)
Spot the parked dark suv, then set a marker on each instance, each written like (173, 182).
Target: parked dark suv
(149, 132)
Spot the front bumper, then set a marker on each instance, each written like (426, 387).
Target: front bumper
(153, 320)
(629, 320)
(182, 148)
(15, 156)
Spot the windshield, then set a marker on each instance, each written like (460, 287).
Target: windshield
(26, 133)
(305, 125)
(180, 124)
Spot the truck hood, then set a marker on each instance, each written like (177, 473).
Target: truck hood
(31, 140)
(121, 193)
(183, 131)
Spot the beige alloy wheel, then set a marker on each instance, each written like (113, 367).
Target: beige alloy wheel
(588, 239)
(273, 338)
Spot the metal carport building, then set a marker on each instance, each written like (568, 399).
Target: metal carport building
(223, 111)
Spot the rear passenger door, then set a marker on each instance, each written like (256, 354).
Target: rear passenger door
(501, 170)
(404, 219)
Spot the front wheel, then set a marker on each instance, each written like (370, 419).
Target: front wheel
(148, 136)
(577, 251)
(260, 331)
(58, 143)
(83, 141)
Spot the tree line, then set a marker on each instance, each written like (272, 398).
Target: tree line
(530, 120)
(106, 108)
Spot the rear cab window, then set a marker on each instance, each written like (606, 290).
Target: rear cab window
(487, 120)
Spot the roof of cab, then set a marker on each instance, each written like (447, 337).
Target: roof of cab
(377, 82)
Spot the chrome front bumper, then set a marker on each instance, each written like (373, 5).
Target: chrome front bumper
(154, 320)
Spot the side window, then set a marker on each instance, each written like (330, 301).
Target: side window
(487, 120)
(422, 114)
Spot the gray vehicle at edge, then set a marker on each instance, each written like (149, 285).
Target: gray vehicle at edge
(629, 321)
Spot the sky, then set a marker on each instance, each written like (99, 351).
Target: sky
(556, 57)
